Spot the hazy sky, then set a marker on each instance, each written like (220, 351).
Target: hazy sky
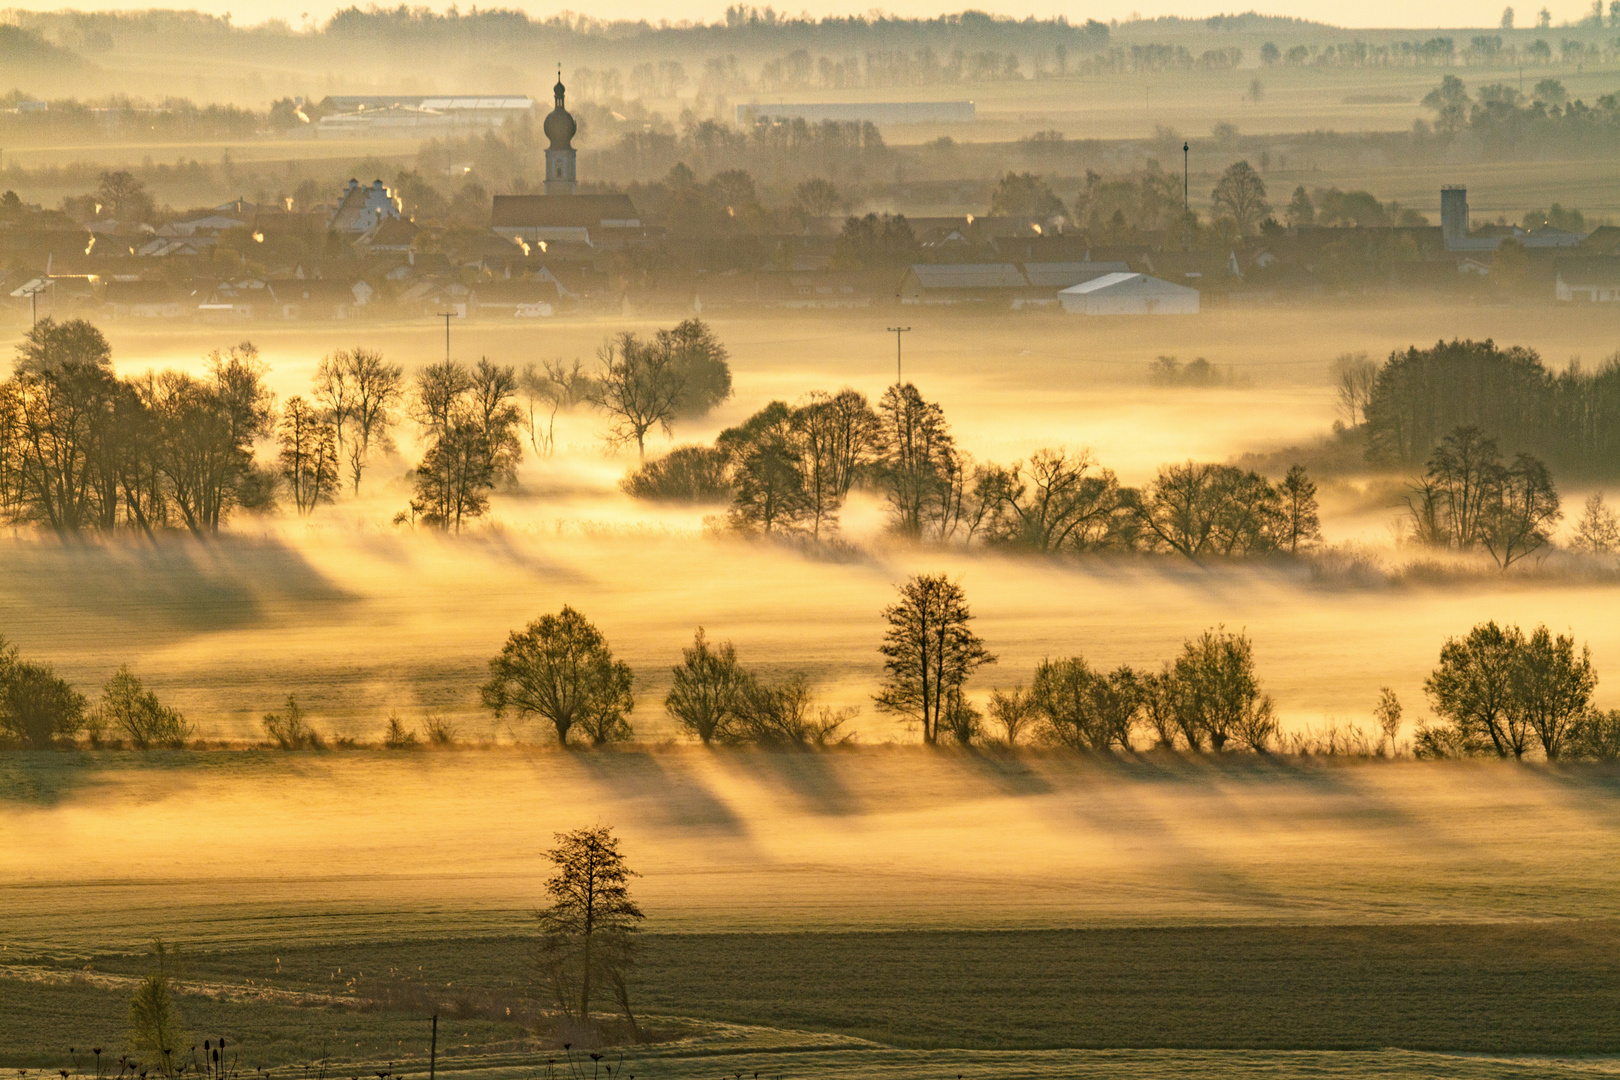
(1435, 13)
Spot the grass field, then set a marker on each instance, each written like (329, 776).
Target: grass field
(1520, 988)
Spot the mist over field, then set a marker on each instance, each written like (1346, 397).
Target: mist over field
(726, 542)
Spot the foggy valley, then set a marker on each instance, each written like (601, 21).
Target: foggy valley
(537, 546)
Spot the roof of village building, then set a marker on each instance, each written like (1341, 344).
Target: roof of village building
(1599, 270)
(612, 209)
(363, 208)
(968, 276)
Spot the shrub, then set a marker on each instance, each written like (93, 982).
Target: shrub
(440, 732)
(1011, 712)
(288, 730)
(128, 707)
(685, 474)
(707, 689)
(35, 706)
(398, 736)
(784, 714)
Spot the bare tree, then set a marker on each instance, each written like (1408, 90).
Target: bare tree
(839, 438)
(1598, 531)
(308, 454)
(1012, 711)
(1354, 376)
(1241, 194)
(550, 388)
(638, 387)
(361, 392)
(1059, 501)
(586, 933)
(929, 650)
(921, 467)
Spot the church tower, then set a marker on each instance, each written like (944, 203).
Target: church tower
(560, 129)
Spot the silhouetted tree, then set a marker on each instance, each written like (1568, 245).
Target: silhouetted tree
(1083, 709)
(1473, 689)
(1025, 195)
(922, 473)
(136, 712)
(708, 689)
(560, 668)
(698, 362)
(929, 651)
(639, 387)
(308, 454)
(839, 437)
(587, 932)
(1217, 696)
(1060, 501)
(1552, 686)
(361, 392)
(1241, 195)
(1299, 524)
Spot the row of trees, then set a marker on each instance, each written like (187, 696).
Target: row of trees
(790, 468)
(1570, 419)
(39, 707)
(1499, 691)
(83, 449)
(1467, 498)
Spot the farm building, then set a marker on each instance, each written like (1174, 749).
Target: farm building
(1129, 294)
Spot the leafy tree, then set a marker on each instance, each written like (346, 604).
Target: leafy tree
(1241, 195)
(587, 932)
(699, 365)
(817, 197)
(560, 668)
(135, 711)
(875, 243)
(1202, 509)
(308, 454)
(1552, 686)
(155, 1028)
(1300, 523)
(783, 714)
(767, 472)
(708, 690)
(1521, 510)
(685, 474)
(1388, 714)
(123, 196)
(1083, 709)
(929, 651)
(839, 438)
(1217, 695)
(639, 387)
(36, 707)
(1473, 689)
(1450, 103)
(1025, 195)
(494, 415)
(1301, 211)
(469, 421)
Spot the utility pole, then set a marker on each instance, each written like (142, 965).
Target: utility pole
(897, 331)
(433, 1048)
(1186, 205)
(446, 316)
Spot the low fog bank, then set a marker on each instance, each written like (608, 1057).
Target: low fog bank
(104, 851)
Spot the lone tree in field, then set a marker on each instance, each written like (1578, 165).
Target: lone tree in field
(1241, 195)
(586, 942)
(929, 651)
(560, 668)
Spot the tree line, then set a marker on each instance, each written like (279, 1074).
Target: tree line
(1495, 691)
(789, 469)
(1570, 419)
(82, 449)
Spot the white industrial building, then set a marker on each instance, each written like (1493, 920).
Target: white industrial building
(1129, 294)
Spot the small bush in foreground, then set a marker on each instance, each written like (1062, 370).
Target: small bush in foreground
(287, 728)
(129, 708)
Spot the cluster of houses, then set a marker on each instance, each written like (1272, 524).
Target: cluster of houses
(364, 256)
